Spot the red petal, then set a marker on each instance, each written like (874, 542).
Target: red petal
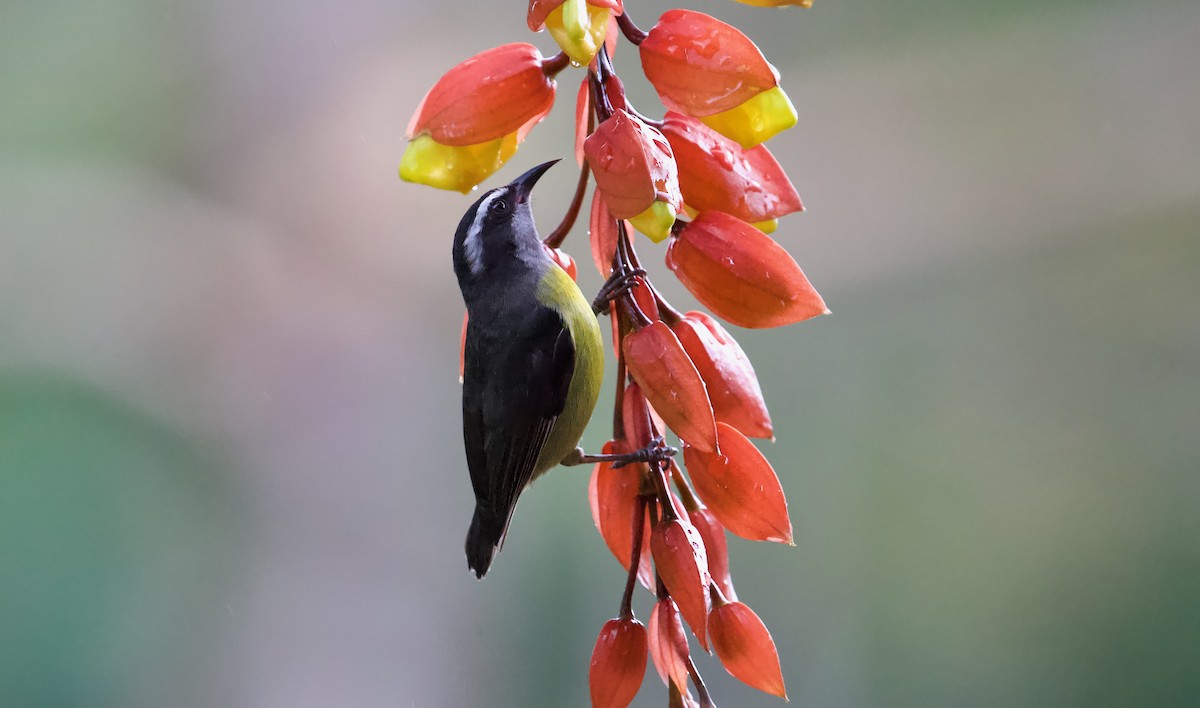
(602, 232)
(563, 260)
(583, 109)
(740, 487)
(488, 96)
(644, 298)
(462, 348)
(635, 413)
(745, 648)
(668, 643)
(614, 88)
(669, 380)
(683, 566)
(614, 33)
(539, 10)
(701, 66)
(618, 663)
(718, 174)
(741, 274)
(614, 500)
(633, 165)
(732, 384)
(713, 534)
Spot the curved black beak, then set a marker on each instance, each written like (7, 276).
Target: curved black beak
(524, 183)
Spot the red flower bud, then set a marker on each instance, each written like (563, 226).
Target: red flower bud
(701, 66)
(718, 174)
(644, 299)
(618, 663)
(472, 120)
(730, 379)
(668, 643)
(613, 497)
(683, 566)
(740, 487)
(705, 68)
(713, 535)
(746, 648)
(669, 379)
(635, 171)
(742, 275)
(488, 96)
(579, 27)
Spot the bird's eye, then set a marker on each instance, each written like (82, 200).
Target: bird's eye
(499, 206)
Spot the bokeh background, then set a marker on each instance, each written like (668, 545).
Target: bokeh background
(231, 471)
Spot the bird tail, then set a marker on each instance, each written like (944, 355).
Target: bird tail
(485, 534)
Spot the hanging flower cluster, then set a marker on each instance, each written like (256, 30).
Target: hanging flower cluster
(676, 371)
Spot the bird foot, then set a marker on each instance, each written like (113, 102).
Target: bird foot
(614, 287)
(656, 451)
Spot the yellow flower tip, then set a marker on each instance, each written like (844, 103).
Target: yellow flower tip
(579, 29)
(768, 226)
(457, 168)
(575, 20)
(655, 222)
(756, 120)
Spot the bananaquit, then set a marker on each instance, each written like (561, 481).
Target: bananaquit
(533, 359)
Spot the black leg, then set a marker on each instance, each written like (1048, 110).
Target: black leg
(616, 284)
(656, 450)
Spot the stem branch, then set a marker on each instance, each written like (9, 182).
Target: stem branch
(639, 528)
(553, 65)
(631, 31)
(559, 234)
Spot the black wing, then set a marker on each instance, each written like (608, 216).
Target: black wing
(515, 383)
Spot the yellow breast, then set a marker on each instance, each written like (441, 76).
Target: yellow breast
(558, 292)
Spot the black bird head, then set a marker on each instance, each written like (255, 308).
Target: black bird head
(498, 230)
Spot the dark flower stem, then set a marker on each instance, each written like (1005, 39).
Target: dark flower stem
(618, 409)
(716, 596)
(600, 102)
(663, 492)
(627, 260)
(555, 64)
(653, 123)
(701, 689)
(556, 237)
(639, 528)
(631, 31)
(666, 313)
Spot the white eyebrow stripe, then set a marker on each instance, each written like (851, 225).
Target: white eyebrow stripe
(472, 246)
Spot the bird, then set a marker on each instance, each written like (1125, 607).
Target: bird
(533, 359)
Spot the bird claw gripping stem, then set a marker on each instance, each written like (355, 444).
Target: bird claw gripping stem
(656, 451)
(617, 284)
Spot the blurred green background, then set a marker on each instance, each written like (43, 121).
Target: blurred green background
(231, 470)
